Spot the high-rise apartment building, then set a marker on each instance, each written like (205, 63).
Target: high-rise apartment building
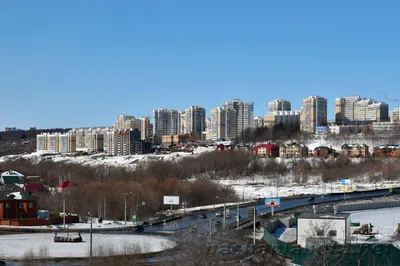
(66, 143)
(354, 109)
(279, 105)
(195, 120)
(369, 110)
(314, 113)
(95, 142)
(223, 124)
(166, 122)
(258, 122)
(395, 115)
(244, 115)
(145, 130)
(285, 118)
(56, 142)
(128, 122)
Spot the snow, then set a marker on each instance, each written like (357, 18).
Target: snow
(16, 195)
(261, 187)
(106, 224)
(17, 246)
(128, 161)
(384, 222)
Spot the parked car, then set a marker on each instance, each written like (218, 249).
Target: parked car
(311, 199)
(203, 216)
(139, 228)
(219, 214)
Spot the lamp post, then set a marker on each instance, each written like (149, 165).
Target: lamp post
(126, 195)
(91, 240)
(224, 215)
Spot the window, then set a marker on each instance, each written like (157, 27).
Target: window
(21, 205)
(332, 233)
(30, 205)
(320, 232)
(7, 205)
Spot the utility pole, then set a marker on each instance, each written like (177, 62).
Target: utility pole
(125, 211)
(91, 241)
(254, 226)
(223, 220)
(237, 217)
(64, 210)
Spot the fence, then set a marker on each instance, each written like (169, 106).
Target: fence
(367, 206)
(346, 255)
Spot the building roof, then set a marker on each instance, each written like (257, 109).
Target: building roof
(266, 146)
(323, 215)
(9, 180)
(22, 195)
(12, 173)
(67, 184)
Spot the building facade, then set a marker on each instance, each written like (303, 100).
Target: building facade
(258, 122)
(314, 113)
(395, 115)
(286, 118)
(166, 122)
(95, 142)
(145, 130)
(128, 122)
(279, 105)
(195, 120)
(244, 115)
(293, 150)
(223, 124)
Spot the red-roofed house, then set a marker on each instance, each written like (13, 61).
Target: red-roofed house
(266, 150)
(65, 184)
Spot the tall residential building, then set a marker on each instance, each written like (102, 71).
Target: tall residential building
(395, 115)
(258, 122)
(95, 142)
(279, 105)
(314, 113)
(166, 122)
(244, 115)
(128, 122)
(286, 118)
(67, 143)
(354, 109)
(56, 142)
(145, 130)
(369, 110)
(41, 142)
(124, 141)
(182, 123)
(223, 124)
(208, 124)
(195, 120)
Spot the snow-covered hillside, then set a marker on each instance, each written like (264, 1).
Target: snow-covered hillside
(129, 161)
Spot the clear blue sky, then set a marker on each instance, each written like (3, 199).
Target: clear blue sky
(81, 63)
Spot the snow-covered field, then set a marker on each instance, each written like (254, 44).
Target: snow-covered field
(260, 187)
(129, 161)
(95, 225)
(384, 222)
(42, 245)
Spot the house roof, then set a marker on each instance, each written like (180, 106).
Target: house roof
(34, 187)
(22, 195)
(267, 146)
(67, 184)
(323, 215)
(12, 173)
(10, 179)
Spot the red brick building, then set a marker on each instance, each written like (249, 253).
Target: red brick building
(387, 151)
(266, 150)
(18, 205)
(324, 151)
(355, 150)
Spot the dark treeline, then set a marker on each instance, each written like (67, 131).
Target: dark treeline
(101, 189)
(277, 133)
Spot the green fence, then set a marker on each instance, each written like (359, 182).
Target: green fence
(346, 255)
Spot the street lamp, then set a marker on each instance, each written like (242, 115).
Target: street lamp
(91, 240)
(126, 195)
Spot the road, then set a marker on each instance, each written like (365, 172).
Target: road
(195, 220)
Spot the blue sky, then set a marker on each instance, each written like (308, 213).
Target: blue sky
(81, 63)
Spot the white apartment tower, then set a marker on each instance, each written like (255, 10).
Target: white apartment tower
(314, 113)
(166, 122)
(195, 120)
(258, 122)
(128, 122)
(244, 115)
(279, 105)
(223, 123)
